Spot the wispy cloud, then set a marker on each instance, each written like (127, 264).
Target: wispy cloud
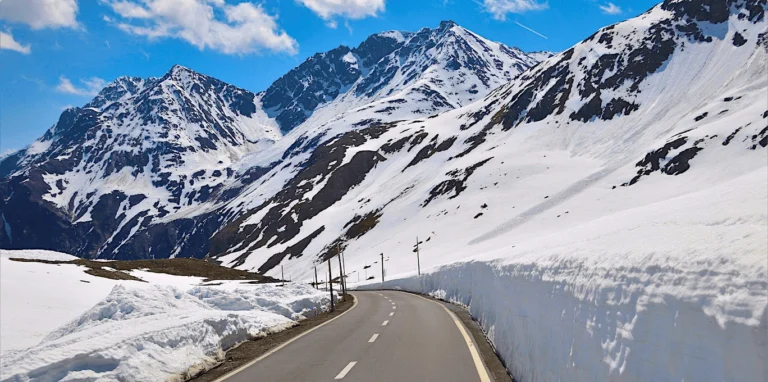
(500, 8)
(33, 80)
(611, 9)
(8, 42)
(88, 86)
(531, 30)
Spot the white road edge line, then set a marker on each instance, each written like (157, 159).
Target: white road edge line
(249, 364)
(374, 337)
(385, 323)
(346, 370)
(479, 365)
(392, 314)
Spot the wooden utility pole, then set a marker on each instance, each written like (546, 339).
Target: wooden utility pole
(330, 282)
(282, 275)
(316, 286)
(343, 270)
(344, 261)
(418, 261)
(341, 278)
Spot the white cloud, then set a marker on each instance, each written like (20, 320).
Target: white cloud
(33, 80)
(40, 14)
(206, 24)
(611, 9)
(89, 86)
(531, 30)
(352, 9)
(500, 8)
(7, 42)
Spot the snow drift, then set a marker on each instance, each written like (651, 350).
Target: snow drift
(160, 333)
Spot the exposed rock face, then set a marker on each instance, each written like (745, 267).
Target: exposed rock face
(185, 165)
(444, 67)
(149, 167)
(140, 150)
(612, 97)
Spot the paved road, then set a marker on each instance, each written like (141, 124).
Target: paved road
(387, 336)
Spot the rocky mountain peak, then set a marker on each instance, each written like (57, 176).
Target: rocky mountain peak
(390, 62)
(715, 11)
(447, 24)
(147, 150)
(117, 89)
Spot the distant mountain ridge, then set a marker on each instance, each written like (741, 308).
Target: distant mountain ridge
(150, 150)
(361, 152)
(428, 62)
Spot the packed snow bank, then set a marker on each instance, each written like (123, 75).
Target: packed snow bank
(161, 332)
(36, 298)
(671, 291)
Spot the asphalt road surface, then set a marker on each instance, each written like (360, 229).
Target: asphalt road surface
(386, 336)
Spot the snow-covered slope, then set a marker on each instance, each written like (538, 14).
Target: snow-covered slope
(146, 169)
(621, 181)
(38, 298)
(425, 72)
(60, 323)
(142, 149)
(613, 196)
(635, 103)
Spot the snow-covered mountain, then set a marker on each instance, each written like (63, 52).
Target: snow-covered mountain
(145, 168)
(632, 104)
(433, 69)
(140, 150)
(602, 213)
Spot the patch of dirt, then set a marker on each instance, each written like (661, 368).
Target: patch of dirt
(117, 270)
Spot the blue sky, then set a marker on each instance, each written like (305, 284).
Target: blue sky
(58, 53)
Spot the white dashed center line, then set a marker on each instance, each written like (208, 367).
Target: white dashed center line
(374, 337)
(385, 323)
(346, 370)
(392, 314)
(394, 307)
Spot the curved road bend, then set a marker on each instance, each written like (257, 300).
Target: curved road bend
(387, 336)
